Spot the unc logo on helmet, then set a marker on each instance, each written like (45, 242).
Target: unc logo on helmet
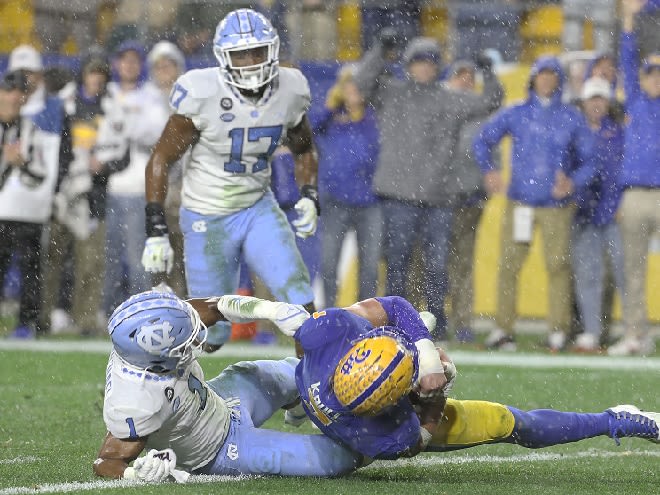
(154, 338)
(241, 30)
(156, 331)
(375, 373)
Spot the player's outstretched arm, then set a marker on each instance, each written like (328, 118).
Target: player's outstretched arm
(238, 309)
(179, 134)
(207, 309)
(115, 456)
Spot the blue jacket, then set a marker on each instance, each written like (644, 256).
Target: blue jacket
(545, 140)
(348, 154)
(641, 161)
(599, 201)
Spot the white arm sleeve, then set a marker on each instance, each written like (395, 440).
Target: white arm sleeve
(287, 317)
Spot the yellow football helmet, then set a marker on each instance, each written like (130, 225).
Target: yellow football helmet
(375, 373)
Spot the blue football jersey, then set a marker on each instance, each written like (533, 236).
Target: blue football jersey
(325, 338)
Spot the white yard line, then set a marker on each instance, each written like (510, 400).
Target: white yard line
(502, 359)
(439, 459)
(420, 461)
(104, 485)
(20, 460)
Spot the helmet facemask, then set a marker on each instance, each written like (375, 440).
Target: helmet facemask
(191, 349)
(249, 77)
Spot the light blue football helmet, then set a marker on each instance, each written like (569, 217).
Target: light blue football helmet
(245, 29)
(156, 331)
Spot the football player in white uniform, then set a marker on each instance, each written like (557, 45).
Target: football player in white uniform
(156, 399)
(234, 117)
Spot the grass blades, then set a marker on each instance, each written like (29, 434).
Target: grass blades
(51, 427)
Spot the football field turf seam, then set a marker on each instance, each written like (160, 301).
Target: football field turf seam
(470, 358)
(427, 460)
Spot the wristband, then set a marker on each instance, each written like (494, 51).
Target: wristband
(311, 192)
(155, 224)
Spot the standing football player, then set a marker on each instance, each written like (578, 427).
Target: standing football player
(234, 117)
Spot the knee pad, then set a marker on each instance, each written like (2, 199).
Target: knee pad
(466, 423)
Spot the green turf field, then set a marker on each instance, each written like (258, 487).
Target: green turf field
(51, 427)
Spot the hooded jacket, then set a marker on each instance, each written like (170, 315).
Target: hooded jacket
(597, 204)
(419, 130)
(641, 161)
(547, 137)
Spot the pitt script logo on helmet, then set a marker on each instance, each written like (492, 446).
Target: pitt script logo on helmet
(376, 372)
(156, 331)
(245, 29)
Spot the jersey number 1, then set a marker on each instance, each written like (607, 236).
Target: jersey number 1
(254, 134)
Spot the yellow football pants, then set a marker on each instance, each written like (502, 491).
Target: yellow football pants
(466, 423)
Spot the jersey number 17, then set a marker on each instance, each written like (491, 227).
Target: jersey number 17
(254, 134)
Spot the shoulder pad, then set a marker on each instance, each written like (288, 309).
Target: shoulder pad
(294, 80)
(200, 83)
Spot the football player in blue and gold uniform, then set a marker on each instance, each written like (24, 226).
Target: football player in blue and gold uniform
(371, 379)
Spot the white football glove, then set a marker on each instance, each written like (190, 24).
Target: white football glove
(158, 255)
(155, 467)
(305, 224)
(287, 317)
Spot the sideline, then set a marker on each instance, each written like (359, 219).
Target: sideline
(470, 358)
(420, 461)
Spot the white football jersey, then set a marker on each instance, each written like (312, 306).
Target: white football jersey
(134, 118)
(229, 167)
(177, 412)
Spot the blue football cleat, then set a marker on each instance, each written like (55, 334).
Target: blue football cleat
(629, 421)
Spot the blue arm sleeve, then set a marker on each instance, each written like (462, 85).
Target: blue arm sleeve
(630, 66)
(401, 314)
(490, 135)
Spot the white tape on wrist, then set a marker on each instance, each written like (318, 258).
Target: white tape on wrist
(429, 360)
